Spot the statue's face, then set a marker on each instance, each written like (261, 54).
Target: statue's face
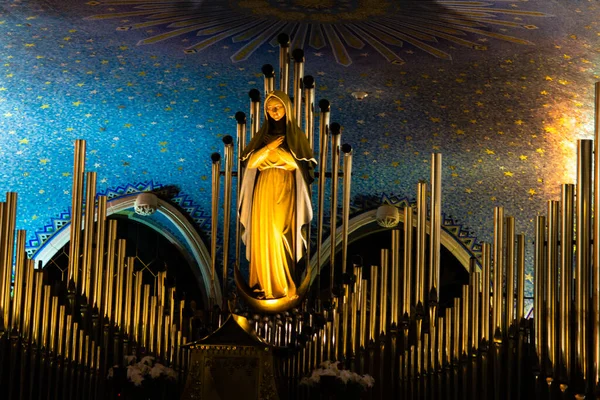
(275, 108)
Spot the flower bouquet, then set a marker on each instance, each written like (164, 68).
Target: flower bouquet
(145, 379)
(331, 381)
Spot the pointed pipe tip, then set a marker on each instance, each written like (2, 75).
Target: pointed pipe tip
(268, 71)
(254, 95)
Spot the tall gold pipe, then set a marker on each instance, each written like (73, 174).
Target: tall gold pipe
(37, 308)
(449, 349)
(46, 316)
(255, 114)
(486, 263)
(435, 229)
(566, 275)
(241, 144)
(20, 271)
(181, 307)
(384, 292)
(345, 317)
(298, 55)
(323, 132)
(538, 296)
(407, 268)
(583, 250)
(335, 133)
(269, 78)
(498, 278)
(145, 316)
(510, 273)
(152, 327)
(166, 327)
(120, 282)
(216, 172)
(80, 345)
(68, 335)
(354, 300)
(86, 350)
(61, 330)
(284, 62)
(465, 322)
(28, 298)
(110, 268)
(129, 284)
(456, 342)
(99, 255)
(363, 314)
(77, 199)
(74, 342)
(420, 245)
(440, 341)
(552, 280)
(474, 320)
(53, 321)
(347, 181)
(88, 235)
(521, 278)
(10, 212)
(373, 305)
(137, 304)
(596, 241)
(4, 279)
(309, 109)
(395, 278)
(159, 330)
(227, 193)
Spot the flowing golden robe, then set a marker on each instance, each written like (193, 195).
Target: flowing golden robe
(273, 223)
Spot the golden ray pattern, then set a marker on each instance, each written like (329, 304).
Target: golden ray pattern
(344, 26)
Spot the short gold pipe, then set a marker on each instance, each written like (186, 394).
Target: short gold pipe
(4, 274)
(583, 251)
(76, 205)
(80, 346)
(448, 341)
(298, 55)
(68, 336)
(465, 321)
(37, 308)
(86, 350)
(120, 283)
(323, 132)
(498, 277)
(408, 263)
(53, 322)
(152, 327)
(145, 316)
(435, 227)
(345, 319)
(88, 235)
(309, 109)
(363, 314)
(510, 274)
(539, 282)
(110, 268)
(552, 281)
(166, 327)
(216, 172)
(354, 300)
(10, 219)
(395, 278)
(373, 305)
(474, 320)
(129, 285)
(486, 265)
(284, 62)
(457, 325)
(46, 316)
(99, 255)
(181, 307)
(74, 342)
(384, 292)
(159, 330)
(227, 194)
(137, 306)
(28, 298)
(440, 342)
(420, 243)
(20, 272)
(61, 330)
(521, 278)
(566, 275)
(347, 182)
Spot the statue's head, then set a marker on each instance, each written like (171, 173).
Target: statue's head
(275, 108)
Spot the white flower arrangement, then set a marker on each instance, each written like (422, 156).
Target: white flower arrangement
(346, 377)
(145, 368)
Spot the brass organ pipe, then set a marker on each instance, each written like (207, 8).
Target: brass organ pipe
(485, 292)
(74, 342)
(110, 264)
(395, 278)
(435, 228)
(440, 341)
(521, 278)
(510, 273)
(61, 330)
(227, 192)
(498, 277)
(566, 275)
(46, 316)
(88, 235)
(77, 198)
(20, 271)
(596, 240)
(335, 130)
(354, 314)
(269, 77)
(456, 344)
(68, 335)
(99, 255)
(10, 212)
(284, 62)
(538, 258)
(80, 347)
(120, 283)
(345, 316)
(552, 280)
(216, 172)
(145, 316)
(323, 132)
(85, 349)
(373, 305)
(309, 109)
(166, 326)
(298, 56)
(37, 308)
(255, 114)
(28, 299)
(384, 292)
(4, 279)
(241, 144)
(421, 235)
(152, 323)
(129, 284)
(159, 329)
(137, 304)
(449, 349)
(363, 314)
(53, 319)
(465, 322)
(475, 277)
(582, 252)
(407, 274)
(347, 181)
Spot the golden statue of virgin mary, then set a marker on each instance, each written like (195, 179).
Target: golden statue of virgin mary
(274, 200)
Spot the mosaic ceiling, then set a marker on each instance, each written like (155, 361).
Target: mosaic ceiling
(503, 89)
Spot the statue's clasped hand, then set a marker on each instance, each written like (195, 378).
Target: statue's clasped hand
(275, 143)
